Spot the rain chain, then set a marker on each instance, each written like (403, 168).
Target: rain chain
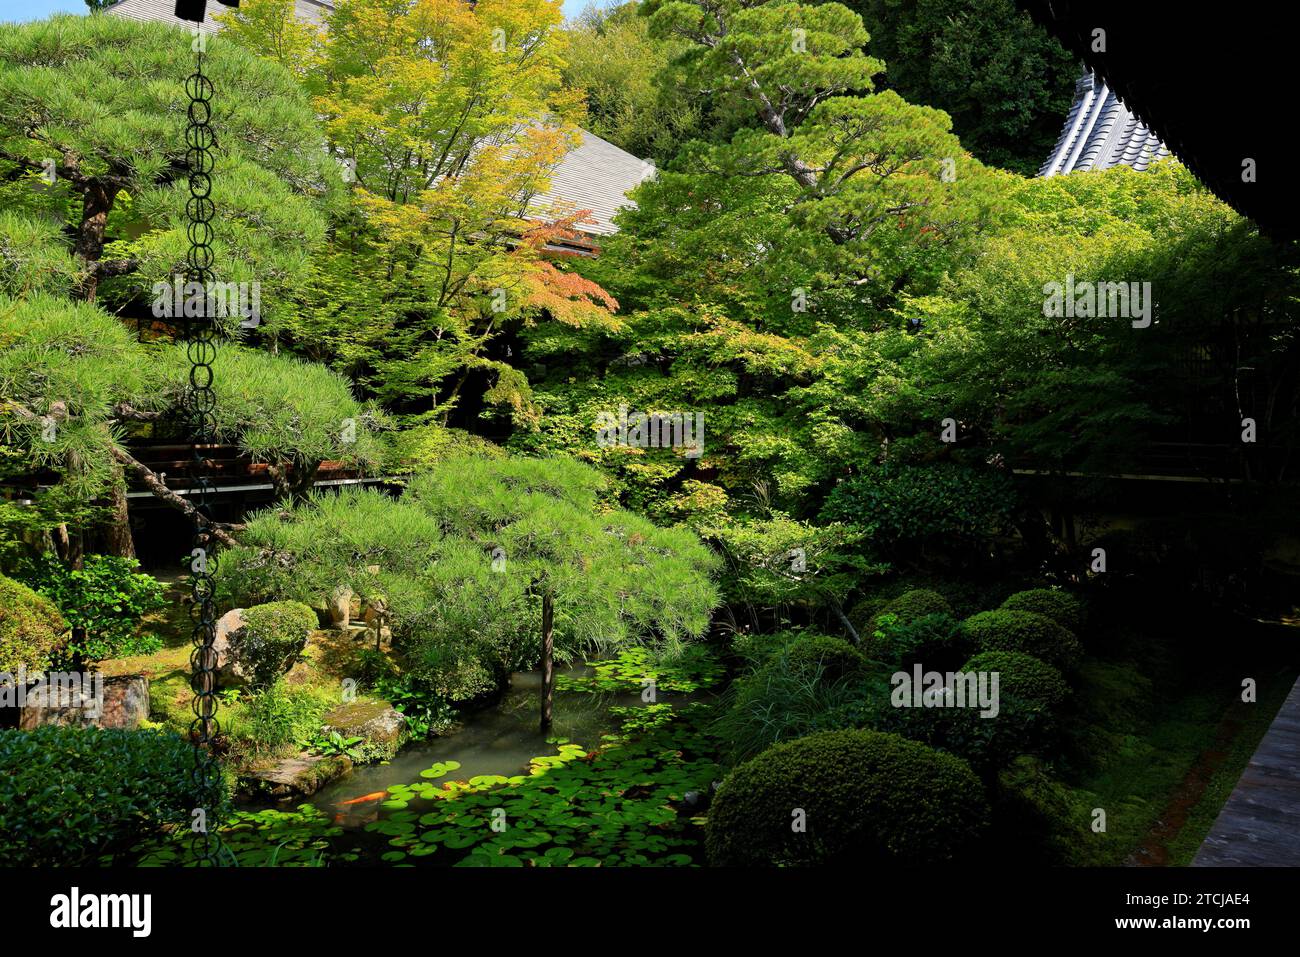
(201, 341)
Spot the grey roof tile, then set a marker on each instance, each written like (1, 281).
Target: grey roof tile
(1101, 132)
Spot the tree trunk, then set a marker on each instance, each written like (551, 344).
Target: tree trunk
(97, 200)
(117, 535)
(548, 660)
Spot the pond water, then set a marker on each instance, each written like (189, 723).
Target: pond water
(501, 740)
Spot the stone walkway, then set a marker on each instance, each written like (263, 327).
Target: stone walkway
(1259, 825)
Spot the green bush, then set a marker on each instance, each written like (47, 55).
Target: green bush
(901, 505)
(830, 657)
(1062, 607)
(929, 639)
(1023, 676)
(272, 638)
(31, 628)
(1026, 632)
(107, 597)
(917, 603)
(68, 795)
(869, 799)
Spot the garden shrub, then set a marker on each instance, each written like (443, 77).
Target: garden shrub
(107, 597)
(870, 799)
(902, 505)
(457, 674)
(930, 639)
(278, 718)
(831, 657)
(1062, 607)
(1026, 632)
(916, 603)
(271, 639)
(68, 795)
(1023, 676)
(31, 628)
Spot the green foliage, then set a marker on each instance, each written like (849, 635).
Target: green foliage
(68, 795)
(1060, 606)
(277, 719)
(424, 446)
(33, 260)
(31, 628)
(632, 100)
(464, 557)
(1026, 632)
(63, 368)
(869, 799)
(693, 668)
(425, 711)
(916, 505)
(273, 636)
(1004, 80)
(1041, 821)
(106, 89)
(832, 658)
(1022, 676)
(107, 596)
(788, 694)
(288, 414)
(334, 744)
(900, 641)
(917, 603)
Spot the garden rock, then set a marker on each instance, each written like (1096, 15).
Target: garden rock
(376, 722)
(125, 704)
(297, 777)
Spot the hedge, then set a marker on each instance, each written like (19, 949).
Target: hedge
(69, 795)
(31, 628)
(868, 798)
(1024, 676)
(1026, 632)
(1062, 607)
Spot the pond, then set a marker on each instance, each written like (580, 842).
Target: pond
(498, 740)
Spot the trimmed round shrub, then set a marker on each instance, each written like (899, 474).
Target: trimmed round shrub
(1024, 676)
(930, 639)
(834, 656)
(31, 628)
(867, 798)
(1026, 632)
(1062, 607)
(271, 639)
(68, 795)
(914, 604)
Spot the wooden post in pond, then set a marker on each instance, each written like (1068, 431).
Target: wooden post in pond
(548, 659)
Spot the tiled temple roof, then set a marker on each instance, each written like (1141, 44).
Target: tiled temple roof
(1101, 132)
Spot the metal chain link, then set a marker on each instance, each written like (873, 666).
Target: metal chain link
(200, 402)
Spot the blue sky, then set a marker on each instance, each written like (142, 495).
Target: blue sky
(19, 10)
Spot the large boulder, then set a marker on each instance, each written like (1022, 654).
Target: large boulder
(376, 722)
(229, 672)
